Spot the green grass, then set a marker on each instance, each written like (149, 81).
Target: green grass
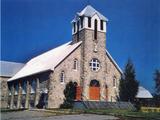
(120, 113)
(12, 110)
(125, 114)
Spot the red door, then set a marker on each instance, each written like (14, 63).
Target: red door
(78, 93)
(94, 93)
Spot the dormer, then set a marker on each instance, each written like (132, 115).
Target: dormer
(89, 18)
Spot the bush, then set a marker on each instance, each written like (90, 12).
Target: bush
(69, 93)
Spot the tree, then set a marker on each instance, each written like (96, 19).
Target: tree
(69, 93)
(157, 82)
(157, 87)
(128, 84)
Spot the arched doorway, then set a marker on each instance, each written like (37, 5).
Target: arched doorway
(78, 92)
(94, 90)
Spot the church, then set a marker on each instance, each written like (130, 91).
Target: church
(84, 60)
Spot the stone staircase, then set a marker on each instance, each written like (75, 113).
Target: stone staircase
(103, 105)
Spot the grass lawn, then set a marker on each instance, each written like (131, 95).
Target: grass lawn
(11, 110)
(122, 114)
(126, 114)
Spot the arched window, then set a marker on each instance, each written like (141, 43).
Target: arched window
(94, 83)
(95, 29)
(114, 81)
(89, 22)
(81, 18)
(101, 24)
(62, 77)
(77, 25)
(77, 31)
(94, 64)
(75, 65)
(74, 27)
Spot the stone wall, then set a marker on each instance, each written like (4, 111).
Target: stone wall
(56, 95)
(112, 73)
(3, 92)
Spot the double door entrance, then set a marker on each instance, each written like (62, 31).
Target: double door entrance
(94, 90)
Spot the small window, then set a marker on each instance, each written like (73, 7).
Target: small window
(78, 26)
(101, 24)
(74, 27)
(62, 77)
(81, 21)
(75, 66)
(95, 29)
(114, 81)
(77, 31)
(89, 21)
(94, 64)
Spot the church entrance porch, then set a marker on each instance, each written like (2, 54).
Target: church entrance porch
(94, 90)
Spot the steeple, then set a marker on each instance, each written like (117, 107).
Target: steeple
(87, 18)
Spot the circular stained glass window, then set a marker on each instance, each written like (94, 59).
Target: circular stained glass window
(94, 64)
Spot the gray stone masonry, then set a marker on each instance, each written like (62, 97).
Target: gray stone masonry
(19, 95)
(12, 96)
(37, 93)
(27, 95)
(3, 92)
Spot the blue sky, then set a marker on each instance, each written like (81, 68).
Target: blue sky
(31, 27)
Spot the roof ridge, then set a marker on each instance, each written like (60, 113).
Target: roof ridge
(44, 53)
(47, 62)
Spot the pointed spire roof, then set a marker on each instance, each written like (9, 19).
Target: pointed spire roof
(89, 11)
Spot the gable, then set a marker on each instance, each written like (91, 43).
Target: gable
(113, 61)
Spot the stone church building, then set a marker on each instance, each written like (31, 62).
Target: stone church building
(84, 60)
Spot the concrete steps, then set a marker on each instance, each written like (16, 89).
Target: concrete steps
(103, 105)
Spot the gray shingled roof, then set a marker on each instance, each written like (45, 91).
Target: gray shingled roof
(8, 69)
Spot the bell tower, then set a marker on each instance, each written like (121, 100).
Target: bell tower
(90, 19)
(89, 26)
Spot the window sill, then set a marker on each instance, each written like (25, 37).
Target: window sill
(62, 83)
